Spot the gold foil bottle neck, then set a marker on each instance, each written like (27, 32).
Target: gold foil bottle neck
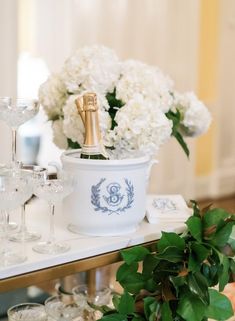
(90, 102)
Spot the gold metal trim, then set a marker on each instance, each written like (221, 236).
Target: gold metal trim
(62, 270)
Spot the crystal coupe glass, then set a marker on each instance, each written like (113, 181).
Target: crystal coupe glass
(35, 174)
(53, 191)
(14, 191)
(27, 312)
(63, 307)
(15, 115)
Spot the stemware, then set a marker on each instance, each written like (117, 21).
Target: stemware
(15, 115)
(88, 298)
(53, 191)
(63, 307)
(27, 312)
(35, 174)
(14, 191)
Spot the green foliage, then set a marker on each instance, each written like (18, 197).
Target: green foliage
(174, 283)
(73, 145)
(114, 104)
(175, 117)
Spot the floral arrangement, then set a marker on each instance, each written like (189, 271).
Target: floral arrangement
(139, 109)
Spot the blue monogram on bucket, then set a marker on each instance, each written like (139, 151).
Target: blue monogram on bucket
(116, 199)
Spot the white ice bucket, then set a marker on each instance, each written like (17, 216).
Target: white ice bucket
(110, 196)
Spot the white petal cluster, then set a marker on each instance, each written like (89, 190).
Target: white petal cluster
(147, 81)
(94, 68)
(59, 137)
(196, 117)
(133, 101)
(141, 127)
(52, 96)
(73, 126)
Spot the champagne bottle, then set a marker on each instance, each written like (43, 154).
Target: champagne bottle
(88, 111)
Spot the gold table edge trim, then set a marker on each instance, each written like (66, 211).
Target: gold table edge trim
(62, 270)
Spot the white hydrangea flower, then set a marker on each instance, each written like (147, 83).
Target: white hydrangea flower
(94, 68)
(52, 96)
(59, 137)
(72, 123)
(196, 117)
(147, 81)
(141, 128)
(145, 91)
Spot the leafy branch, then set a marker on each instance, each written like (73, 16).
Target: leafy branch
(175, 282)
(175, 117)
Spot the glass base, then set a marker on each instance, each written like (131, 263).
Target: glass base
(11, 258)
(51, 248)
(12, 226)
(24, 236)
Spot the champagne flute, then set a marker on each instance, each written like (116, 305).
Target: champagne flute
(35, 173)
(13, 192)
(14, 115)
(53, 191)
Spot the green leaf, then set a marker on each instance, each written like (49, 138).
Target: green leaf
(214, 217)
(150, 285)
(171, 254)
(210, 272)
(135, 254)
(133, 283)
(166, 312)
(198, 286)
(224, 274)
(220, 307)
(124, 270)
(114, 317)
(231, 242)
(200, 251)
(191, 308)
(193, 263)
(182, 143)
(149, 263)
(151, 306)
(170, 239)
(116, 299)
(178, 282)
(221, 237)
(126, 304)
(137, 318)
(114, 105)
(196, 210)
(232, 265)
(73, 145)
(195, 227)
(175, 117)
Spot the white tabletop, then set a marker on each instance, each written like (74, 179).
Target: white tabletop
(82, 246)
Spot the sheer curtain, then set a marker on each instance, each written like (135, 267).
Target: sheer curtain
(8, 66)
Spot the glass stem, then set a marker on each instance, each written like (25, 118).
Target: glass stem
(13, 146)
(51, 238)
(22, 223)
(4, 217)
(7, 220)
